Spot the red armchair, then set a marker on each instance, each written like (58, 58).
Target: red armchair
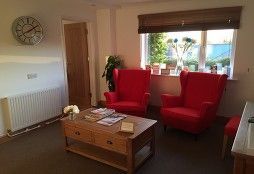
(131, 95)
(195, 109)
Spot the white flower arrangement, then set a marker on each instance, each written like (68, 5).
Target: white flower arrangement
(72, 109)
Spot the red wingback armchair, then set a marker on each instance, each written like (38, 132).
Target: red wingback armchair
(195, 109)
(131, 94)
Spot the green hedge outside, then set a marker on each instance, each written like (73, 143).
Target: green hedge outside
(193, 61)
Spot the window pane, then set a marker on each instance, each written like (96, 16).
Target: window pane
(219, 50)
(185, 46)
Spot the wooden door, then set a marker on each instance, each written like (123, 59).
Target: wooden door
(77, 64)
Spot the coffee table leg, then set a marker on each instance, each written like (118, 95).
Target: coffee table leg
(66, 141)
(152, 145)
(130, 158)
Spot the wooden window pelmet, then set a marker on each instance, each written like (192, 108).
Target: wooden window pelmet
(206, 19)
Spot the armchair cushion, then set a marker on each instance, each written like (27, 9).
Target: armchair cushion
(123, 106)
(182, 118)
(129, 107)
(182, 113)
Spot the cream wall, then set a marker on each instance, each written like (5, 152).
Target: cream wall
(46, 58)
(128, 46)
(106, 27)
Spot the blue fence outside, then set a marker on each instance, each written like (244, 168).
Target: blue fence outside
(213, 51)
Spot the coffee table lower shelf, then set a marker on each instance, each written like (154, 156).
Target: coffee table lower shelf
(111, 158)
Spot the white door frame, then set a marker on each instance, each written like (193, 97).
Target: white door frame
(91, 58)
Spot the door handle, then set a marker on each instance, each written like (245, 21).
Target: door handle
(109, 142)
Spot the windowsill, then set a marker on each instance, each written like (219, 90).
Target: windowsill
(176, 76)
(165, 75)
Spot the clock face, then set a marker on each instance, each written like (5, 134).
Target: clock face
(27, 30)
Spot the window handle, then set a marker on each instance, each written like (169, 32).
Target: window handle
(182, 23)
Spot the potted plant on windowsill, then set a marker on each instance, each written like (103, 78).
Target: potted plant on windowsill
(112, 63)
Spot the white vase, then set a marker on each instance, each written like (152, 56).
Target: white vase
(71, 116)
(179, 66)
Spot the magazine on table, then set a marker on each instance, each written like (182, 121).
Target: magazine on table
(103, 111)
(112, 119)
(93, 117)
(98, 114)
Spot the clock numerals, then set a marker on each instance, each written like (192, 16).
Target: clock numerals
(31, 40)
(21, 22)
(33, 22)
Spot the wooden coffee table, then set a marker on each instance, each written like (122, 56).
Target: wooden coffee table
(107, 144)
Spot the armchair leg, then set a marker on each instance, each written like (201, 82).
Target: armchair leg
(225, 141)
(196, 137)
(165, 128)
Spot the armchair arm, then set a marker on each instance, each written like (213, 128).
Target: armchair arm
(171, 101)
(111, 97)
(145, 99)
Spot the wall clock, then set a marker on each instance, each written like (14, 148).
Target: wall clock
(27, 30)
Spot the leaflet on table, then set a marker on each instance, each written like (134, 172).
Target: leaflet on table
(110, 120)
(93, 117)
(97, 111)
(98, 114)
(103, 111)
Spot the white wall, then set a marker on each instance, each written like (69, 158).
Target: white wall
(46, 58)
(128, 46)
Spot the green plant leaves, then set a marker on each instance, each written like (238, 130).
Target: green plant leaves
(112, 63)
(157, 48)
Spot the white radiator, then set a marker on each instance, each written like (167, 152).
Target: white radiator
(23, 110)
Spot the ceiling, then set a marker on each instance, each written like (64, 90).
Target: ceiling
(119, 2)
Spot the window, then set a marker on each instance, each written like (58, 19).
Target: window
(195, 40)
(190, 50)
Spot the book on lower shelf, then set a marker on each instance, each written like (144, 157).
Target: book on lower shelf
(112, 119)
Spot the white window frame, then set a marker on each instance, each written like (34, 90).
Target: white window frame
(202, 53)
